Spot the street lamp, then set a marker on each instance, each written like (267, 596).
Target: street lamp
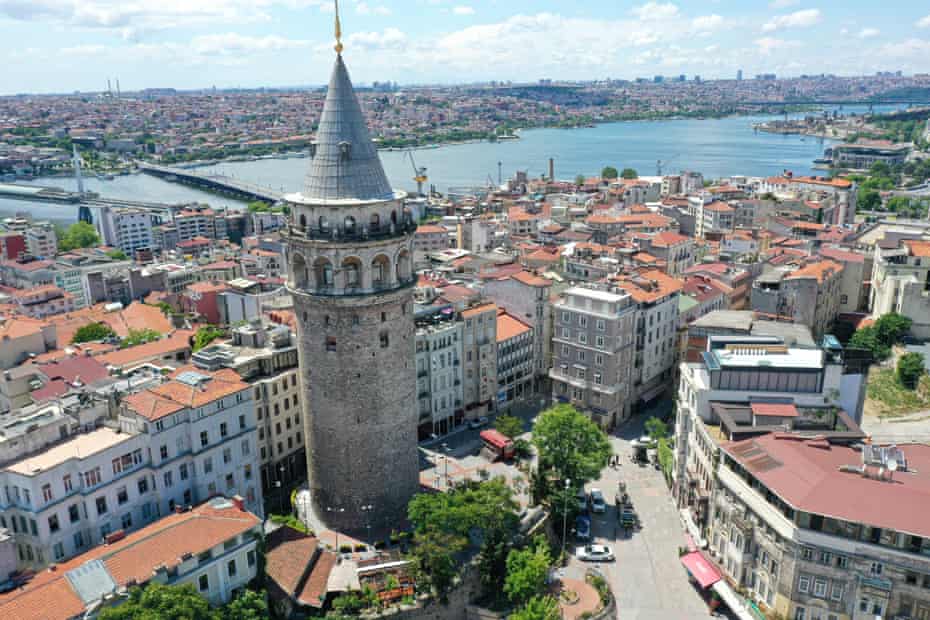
(340, 511)
(367, 510)
(445, 457)
(568, 483)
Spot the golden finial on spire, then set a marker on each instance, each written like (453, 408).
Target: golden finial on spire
(338, 47)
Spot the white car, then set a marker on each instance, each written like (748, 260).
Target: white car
(595, 553)
(598, 505)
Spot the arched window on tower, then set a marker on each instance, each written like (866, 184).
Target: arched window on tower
(380, 271)
(374, 222)
(324, 224)
(394, 219)
(323, 273)
(352, 269)
(303, 221)
(349, 225)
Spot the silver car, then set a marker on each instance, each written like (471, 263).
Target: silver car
(598, 505)
(595, 553)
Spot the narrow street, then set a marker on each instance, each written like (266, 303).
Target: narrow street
(647, 578)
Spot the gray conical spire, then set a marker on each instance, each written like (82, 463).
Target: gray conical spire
(345, 165)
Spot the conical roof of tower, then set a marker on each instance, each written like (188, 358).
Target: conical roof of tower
(346, 165)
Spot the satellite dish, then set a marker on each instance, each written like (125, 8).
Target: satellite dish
(892, 465)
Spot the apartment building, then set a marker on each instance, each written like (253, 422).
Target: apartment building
(677, 251)
(655, 296)
(176, 444)
(717, 219)
(126, 229)
(525, 295)
(809, 295)
(742, 386)
(429, 238)
(515, 360)
(439, 352)
(791, 527)
(41, 240)
(214, 547)
(855, 285)
(593, 351)
(265, 356)
(199, 221)
(479, 349)
(901, 281)
(43, 301)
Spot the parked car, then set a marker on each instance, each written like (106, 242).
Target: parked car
(478, 423)
(582, 499)
(598, 505)
(595, 553)
(583, 528)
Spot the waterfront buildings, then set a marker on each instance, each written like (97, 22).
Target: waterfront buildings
(863, 154)
(125, 229)
(593, 350)
(350, 249)
(214, 547)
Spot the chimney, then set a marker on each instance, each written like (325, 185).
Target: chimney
(238, 502)
(551, 169)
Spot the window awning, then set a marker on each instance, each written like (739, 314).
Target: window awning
(701, 569)
(734, 601)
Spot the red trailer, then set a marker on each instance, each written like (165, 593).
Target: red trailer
(498, 443)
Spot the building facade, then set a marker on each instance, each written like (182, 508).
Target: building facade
(440, 390)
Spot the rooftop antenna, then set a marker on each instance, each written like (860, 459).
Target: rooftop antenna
(118, 94)
(338, 46)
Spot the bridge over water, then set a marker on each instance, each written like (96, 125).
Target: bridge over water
(218, 183)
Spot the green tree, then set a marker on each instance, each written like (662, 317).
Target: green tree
(136, 337)
(250, 605)
(609, 172)
(475, 505)
(538, 608)
(891, 328)
(509, 425)
(579, 180)
(206, 335)
(434, 561)
(656, 428)
(79, 235)
(162, 602)
(629, 173)
(867, 338)
(492, 561)
(92, 332)
(258, 207)
(869, 200)
(117, 255)
(527, 570)
(910, 369)
(569, 444)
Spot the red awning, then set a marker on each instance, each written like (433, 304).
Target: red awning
(702, 570)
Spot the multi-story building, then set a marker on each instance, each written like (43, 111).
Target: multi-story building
(743, 386)
(479, 350)
(43, 301)
(863, 154)
(593, 351)
(126, 229)
(439, 353)
(428, 239)
(855, 285)
(677, 251)
(176, 444)
(200, 221)
(655, 295)
(901, 281)
(213, 547)
(803, 524)
(809, 295)
(41, 240)
(717, 219)
(265, 356)
(525, 295)
(515, 360)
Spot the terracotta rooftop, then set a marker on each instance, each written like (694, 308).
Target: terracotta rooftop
(917, 248)
(476, 310)
(289, 553)
(819, 270)
(431, 229)
(720, 207)
(649, 286)
(842, 255)
(175, 395)
(808, 478)
(531, 279)
(177, 341)
(49, 595)
(509, 326)
(668, 238)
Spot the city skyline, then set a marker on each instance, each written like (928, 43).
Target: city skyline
(278, 43)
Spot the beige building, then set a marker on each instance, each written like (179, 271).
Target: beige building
(901, 281)
(479, 350)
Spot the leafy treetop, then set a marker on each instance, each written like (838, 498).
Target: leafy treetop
(570, 444)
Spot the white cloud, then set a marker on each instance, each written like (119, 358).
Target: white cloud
(389, 38)
(707, 23)
(909, 49)
(868, 33)
(767, 45)
(924, 22)
(798, 19)
(463, 10)
(363, 8)
(783, 4)
(656, 11)
(232, 43)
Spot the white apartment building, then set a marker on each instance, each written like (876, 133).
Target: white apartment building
(479, 350)
(515, 367)
(41, 240)
(177, 444)
(214, 547)
(440, 390)
(126, 229)
(901, 281)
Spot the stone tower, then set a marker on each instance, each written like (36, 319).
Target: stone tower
(350, 255)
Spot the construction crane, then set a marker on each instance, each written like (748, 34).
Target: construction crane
(419, 174)
(660, 164)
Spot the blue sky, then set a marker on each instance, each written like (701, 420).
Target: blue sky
(66, 45)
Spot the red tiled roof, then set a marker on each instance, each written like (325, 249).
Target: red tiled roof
(808, 478)
(289, 553)
(775, 410)
(510, 327)
(314, 590)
